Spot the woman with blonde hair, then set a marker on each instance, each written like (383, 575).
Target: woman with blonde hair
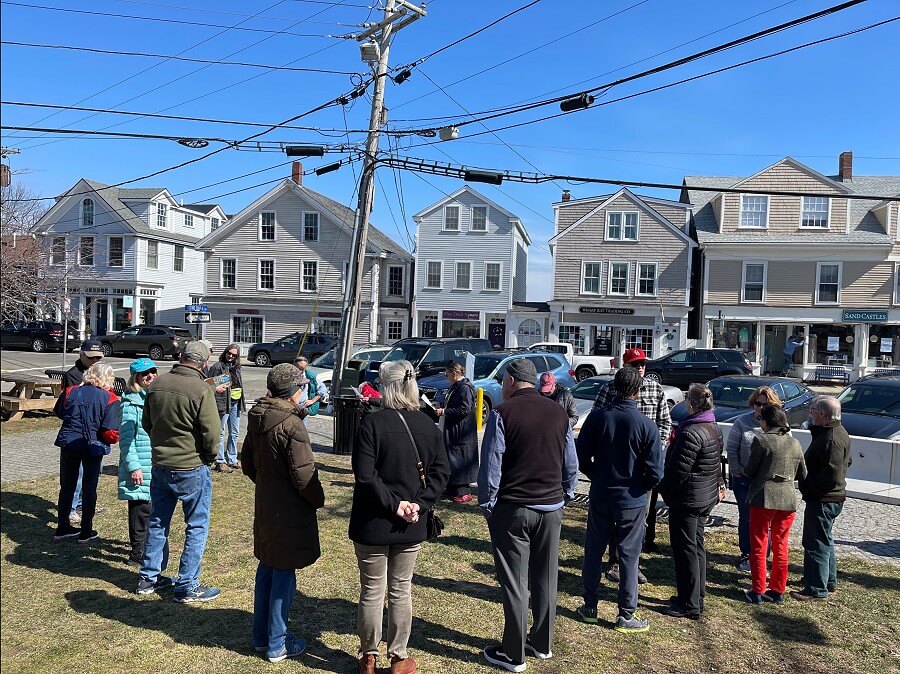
(744, 431)
(401, 469)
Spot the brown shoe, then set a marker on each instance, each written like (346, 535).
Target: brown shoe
(805, 596)
(224, 468)
(404, 666)
(236, 465)
(367, 664)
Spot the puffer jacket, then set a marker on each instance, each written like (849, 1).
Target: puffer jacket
(134, 448)
(693, 472)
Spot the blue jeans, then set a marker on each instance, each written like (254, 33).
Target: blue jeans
(231, 426)
(740, 485)
(193, 488)
(819, 561)
(76, 497)
(272, 597)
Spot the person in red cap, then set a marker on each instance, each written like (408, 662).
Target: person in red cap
(550, 388)
(651, 402)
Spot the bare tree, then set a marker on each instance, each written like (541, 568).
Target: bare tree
(21, 261)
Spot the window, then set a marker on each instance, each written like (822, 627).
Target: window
(492, 273)
(267, 226)
(58, 250)
(814, 212)
(309, 273)
(433, 274)
(897, 283)
(86, 251)
(754, 211)
(162, 214)
(87, 213)
(229, 273)
(828, 288)
(213, 224)
(479, 218)
(529, 332)
(247, 329)
(831, 344)
(753, 287)
(395, 281)
(188, 220)
(114, 252)
(736, 335)
(884, 346)
(590, 278)
(622, 226)
(394, 330)
(266, 277)
(618, 278)
(153, 255)
(463, 276)
(574, 335)
(451, 218)
(178, 264)
(310, 226)
(647, 279)
(639, 338)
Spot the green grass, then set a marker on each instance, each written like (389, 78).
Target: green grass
(31, 422)
(67, 608)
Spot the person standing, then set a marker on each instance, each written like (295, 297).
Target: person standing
(182, 420)
(793, 343)
(135, 460)
(776, 460)
(528, 473)
(824, 490)
(230, 403)
(278, 458)
(619, 449)
(550, 388)
(460, 434)
(692, 484)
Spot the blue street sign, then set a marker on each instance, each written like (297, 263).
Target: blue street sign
(196, 308)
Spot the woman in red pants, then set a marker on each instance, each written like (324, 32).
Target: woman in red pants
(776, 460)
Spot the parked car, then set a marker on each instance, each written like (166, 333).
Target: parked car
(37, 335)
(870, 407)
(429, 356)
(731, 393)
(157, 341)
(267, 354)
(488, 375)
(688, 366)
(584, 366)
(323, 366)
(585, 393)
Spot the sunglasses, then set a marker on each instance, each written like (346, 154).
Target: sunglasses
(759, 404)
(93, 357)
(232, 354)
(148, 373)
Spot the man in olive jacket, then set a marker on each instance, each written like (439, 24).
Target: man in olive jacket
(824, 489)
(181, 418)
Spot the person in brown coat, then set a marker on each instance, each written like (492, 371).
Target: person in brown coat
(278, 458)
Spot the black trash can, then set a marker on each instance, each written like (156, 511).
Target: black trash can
(348, 413)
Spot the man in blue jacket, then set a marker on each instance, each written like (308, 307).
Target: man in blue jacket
(619, 450)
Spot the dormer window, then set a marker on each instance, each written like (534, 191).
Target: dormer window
(814, 212)
(754, 211)
(162, 215)
(188, 220)
(87, 213)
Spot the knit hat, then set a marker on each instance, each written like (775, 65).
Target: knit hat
(283, 380)
(196, 351)
(522, 369)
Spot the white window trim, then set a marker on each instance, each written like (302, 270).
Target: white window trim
(584, 264)
(765, 281)
(896, 295)
(93, 251)
(456, 264)
(607, 237)
(487, 218)
(840, 266)
(387, 328)
(740, 221)
(827, 222)
(637, 279)
(109, 249)
(259, 262)
(165, 224)
(65, 251)
(484, 277)
(444, 227)
(175, 257)
(609, 277)
(387, 289)
(185, 217)
(303, 215)
(231, 318)
(259, 224)
(81, 212)
(222, 273)
(318, 276)
(147, 255)
(439, 287)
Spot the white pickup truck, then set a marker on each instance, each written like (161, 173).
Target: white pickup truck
(584, 366)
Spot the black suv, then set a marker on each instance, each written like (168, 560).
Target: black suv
(157, 341)
(430, 356)
(688, 366)
(37, 335)
(285, 349)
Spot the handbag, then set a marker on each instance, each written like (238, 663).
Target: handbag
(433, 524)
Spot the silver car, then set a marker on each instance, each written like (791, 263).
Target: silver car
(585, 392)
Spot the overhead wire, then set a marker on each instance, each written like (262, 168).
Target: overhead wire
(206, 10)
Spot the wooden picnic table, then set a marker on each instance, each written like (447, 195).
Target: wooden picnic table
(29, 393)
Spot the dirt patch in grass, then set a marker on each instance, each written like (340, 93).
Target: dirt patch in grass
(68, 608)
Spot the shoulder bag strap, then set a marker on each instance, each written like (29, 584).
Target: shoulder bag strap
(415, 449)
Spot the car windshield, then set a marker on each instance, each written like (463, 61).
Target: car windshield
(867, 399)
(411, 352)
(731, 393)
(325, 360)
(183, 334)
(587, 389)
(370, 354)
(484, 365)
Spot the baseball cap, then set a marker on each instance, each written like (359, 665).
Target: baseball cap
(139, 365)
(548, 381)
(634, 355)
(284, 380)
(522, 369)
(196, 351)
(92, 347)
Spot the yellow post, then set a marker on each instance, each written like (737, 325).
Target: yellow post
(479, 407)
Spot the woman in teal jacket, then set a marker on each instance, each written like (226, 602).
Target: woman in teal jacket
(135, 458)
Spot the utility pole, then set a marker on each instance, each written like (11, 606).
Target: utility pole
(397, 15)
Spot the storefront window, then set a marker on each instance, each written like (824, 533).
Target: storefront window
(121, 315)
(736, 335)
(148, 312)
(574, 335)
(884, 345)
(639, 338)
(461, 329)
(329, 326)
(831, 344)
(529, 332)
(247, 329)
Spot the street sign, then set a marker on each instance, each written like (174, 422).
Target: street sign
(196, 317)
(196, 309)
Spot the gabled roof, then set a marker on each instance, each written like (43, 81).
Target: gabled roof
(639, 201)
(604, 197)
(140, 193)
(465, 189)
(836, 184)
(202, 208)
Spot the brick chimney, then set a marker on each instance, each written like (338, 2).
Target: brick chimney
(297, 172)
(845, 166)
(566, 195)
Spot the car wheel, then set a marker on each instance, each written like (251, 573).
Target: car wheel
(156, 352)
(583, 373)
(106, 348)
(653, 376)
(671, 403)
(485, 411)
(38, 345)
(262, 359)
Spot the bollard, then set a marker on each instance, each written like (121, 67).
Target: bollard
(479, 407)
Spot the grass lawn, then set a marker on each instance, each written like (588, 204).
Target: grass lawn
(68, 608)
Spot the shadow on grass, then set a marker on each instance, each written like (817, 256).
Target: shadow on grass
(873, 547)
(784, 628)
(466, 543)
(29, 521)
(338, 470)
(466, 588)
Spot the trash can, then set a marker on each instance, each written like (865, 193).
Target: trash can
(348, 413)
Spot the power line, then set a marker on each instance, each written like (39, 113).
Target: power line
(205, 10)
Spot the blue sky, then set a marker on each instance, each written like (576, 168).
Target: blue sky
(810, 104)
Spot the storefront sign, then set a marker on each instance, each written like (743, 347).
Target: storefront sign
(449, 315)
(859, 316)
(249, 312)
(614, 311)
(329, 314)
(834, 343)
(887, 344)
